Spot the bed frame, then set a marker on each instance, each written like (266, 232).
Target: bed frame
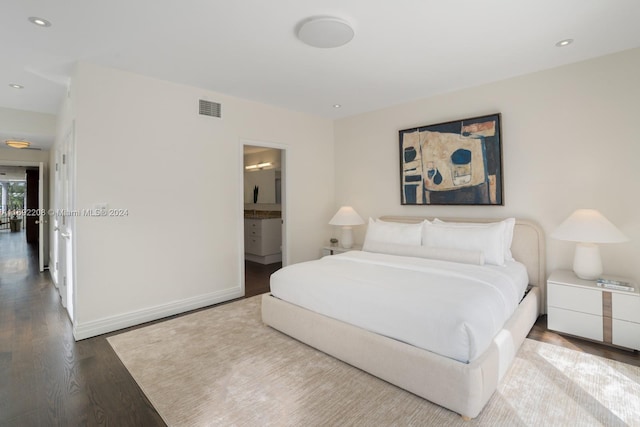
(464, 388)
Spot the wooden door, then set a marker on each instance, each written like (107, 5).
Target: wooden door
(32, 206)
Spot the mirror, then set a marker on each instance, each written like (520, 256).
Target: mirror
(260, 186)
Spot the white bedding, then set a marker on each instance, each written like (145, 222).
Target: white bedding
(448, 308)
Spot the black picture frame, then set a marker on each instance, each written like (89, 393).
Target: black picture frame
(452, 163)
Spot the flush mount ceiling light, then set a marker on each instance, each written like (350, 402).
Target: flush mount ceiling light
(325, 32)
(14, 143)
(16, 86)
(565, 42)
(40, 22)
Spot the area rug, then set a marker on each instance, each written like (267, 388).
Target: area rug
(224, 367)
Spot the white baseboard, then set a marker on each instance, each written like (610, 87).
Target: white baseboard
(109, 324)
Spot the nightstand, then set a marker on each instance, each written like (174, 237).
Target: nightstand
(584, 309)
(333, 250)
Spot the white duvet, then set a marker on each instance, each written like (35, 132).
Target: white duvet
(448, 308)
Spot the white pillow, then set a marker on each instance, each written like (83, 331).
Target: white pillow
(489, 240)
(443, 254)
(509, 223)
(393, 232)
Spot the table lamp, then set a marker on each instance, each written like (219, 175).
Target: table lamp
(588, 227)
(346, 217)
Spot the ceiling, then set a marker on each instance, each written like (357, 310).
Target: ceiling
(38, 141)
(402, 50)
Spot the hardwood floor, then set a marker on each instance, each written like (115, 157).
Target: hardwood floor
(541, 333)
(46, 378)
(256, 277)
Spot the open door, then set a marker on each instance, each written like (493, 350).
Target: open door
(31, 205)
(41, 217)
(64, 223)
(35, 209)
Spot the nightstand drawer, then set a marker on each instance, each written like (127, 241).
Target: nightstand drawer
(626, 334)
(575, 323)
(574, 298)
(626, 307)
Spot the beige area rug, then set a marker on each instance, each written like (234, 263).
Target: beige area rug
(224, 367)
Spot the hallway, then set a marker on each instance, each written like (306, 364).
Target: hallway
(46, 378)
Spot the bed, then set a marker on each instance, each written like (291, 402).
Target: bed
(461, 382)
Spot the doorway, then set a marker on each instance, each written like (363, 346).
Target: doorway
(22, 206)
(264, 214)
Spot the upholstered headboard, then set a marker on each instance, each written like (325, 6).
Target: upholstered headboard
(528, 246)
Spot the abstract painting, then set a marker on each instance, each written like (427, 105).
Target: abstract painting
(452, 163)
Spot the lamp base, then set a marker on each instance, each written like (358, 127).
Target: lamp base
(347, 237)
(587, 264)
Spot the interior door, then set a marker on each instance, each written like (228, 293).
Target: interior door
(61, 229)
(32, 206)
(284, 202)
(66, 224)
(62, 267)
(54, 262)
(35, 219)
(41, 217)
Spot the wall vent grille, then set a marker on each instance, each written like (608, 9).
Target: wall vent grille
(208, 108)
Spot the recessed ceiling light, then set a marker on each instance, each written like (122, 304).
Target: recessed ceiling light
(337, 105)
(16, 86)
(40, 22)
(325, 32)
(565, 42)
(14, 143)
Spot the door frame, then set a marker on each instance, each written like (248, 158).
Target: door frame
(284, 159)
(42, 220)
(42, 235)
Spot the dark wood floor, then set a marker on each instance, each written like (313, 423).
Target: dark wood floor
(541, 333)
(47, 379)
(256, 277)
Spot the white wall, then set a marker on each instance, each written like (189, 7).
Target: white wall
(141, 146)
(21, 123)
(570, 141)
(14, 156)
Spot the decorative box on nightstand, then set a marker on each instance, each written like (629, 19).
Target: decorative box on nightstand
(584, 309)
(333, 250)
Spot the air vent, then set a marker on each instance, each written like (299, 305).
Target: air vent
(208, 108)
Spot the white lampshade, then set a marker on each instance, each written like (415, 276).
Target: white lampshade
(346, 217)
(588, 227)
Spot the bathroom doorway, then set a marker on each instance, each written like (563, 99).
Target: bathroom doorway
(264, 214)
